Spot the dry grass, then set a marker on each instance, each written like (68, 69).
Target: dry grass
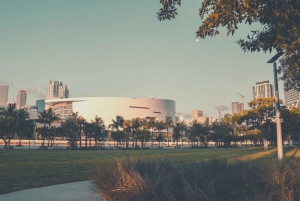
(140, 179)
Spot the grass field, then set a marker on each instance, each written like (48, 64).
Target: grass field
(24, 169)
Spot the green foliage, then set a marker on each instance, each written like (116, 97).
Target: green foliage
(279, 21)
(119, 136)
(14, 122)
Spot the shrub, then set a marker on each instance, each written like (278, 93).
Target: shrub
(139, 179)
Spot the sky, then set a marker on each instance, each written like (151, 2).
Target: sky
(120, 49)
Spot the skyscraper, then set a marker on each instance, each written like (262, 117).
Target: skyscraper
(56, 89)
(291, 97)
(263, 89)
(40, 104)
(21, 99)
(3, 95)
(237, 107)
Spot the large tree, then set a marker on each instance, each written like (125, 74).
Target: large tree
(279, 20)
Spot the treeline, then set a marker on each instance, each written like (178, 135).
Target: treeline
(253, 125)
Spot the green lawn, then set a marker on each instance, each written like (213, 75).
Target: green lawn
(24, 169)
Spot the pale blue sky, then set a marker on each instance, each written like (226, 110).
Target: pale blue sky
(119, 48)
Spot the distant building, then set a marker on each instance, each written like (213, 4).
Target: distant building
(30, 108)
(178, 118)
(56, 90)
(40, 105)
(108, 107)
(200, 118)
(197, 113)
(291, 98)
(4, 95)
(263, 89)
(21, 99)
(237, 107)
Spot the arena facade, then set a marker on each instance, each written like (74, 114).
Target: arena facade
(109, 107)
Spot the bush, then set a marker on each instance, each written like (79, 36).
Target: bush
(139, 179)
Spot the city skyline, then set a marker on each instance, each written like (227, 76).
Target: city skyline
(147, 58)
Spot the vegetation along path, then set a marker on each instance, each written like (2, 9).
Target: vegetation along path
(24, 169)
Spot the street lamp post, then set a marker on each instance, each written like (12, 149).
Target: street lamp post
(277, 107)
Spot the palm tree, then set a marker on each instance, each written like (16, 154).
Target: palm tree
(178, 130)
(10, 111)
(47, 118)
(168, 123)
(160, 126)
(143, 135)
(98, 125)
(127, 128)
(117, 123)
(135, 126)
(196, 131)
(9, 123)
(71, 130)
(22, 117)
(52, 117)
(88, 131)
(151, 124)
(79, 121)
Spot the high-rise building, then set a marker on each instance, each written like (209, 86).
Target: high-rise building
(200, 118)
(40, 104)
(21, 99)
(3, 95)
(291, 97)
(197, 113)
(237, 107)
(56, 89)
(263, 89)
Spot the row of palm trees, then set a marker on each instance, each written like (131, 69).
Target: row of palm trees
(16, 124)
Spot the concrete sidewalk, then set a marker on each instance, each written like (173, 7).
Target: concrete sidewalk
(77, 191)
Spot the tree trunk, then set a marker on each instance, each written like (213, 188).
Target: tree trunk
(20, 141)
(168, 136)
(80, 137)
(152, 137)
(85, 141)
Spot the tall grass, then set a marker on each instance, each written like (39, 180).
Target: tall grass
(141, 179)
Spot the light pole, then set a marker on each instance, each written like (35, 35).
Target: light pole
(277, 107)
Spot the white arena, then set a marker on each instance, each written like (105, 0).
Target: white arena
(109, 107)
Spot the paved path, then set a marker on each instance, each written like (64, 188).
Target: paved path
(78, 191)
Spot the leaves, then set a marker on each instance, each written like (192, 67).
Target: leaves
(279, 21)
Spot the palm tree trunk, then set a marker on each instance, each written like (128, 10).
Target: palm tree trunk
(86, 139)
(20, 141)
(152, 137)
(80, 137)
(168, 136)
